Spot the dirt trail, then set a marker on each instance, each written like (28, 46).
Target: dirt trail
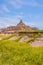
(38, 42)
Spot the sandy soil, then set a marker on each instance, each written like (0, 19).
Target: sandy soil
(37, 42)
(13, 38)
(3, 35)
(24, 39)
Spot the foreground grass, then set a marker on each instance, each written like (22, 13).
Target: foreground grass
(15, 53)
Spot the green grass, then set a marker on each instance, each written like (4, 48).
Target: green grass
(19, 37)
(33, 31)
(9, 36)
(13, 52)
(17, 53)
(33, 37)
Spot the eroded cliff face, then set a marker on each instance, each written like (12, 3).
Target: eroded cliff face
(15, 29)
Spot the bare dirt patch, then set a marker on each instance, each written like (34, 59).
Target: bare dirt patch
(13, 38)
(24, 39)
(38, 42)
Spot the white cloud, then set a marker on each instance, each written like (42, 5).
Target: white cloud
(20, 3)
(4, 8)
(12, 21)
(9, 21)
(37, 24)
(32, 3)
(16, 3)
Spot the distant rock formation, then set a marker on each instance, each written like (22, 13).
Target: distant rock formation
(19, 27)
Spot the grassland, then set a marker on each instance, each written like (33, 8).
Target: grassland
(16, 53)
(13, 52)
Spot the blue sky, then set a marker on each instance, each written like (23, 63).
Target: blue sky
(30, 11)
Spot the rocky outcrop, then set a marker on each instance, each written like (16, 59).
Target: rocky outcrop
(14, 29)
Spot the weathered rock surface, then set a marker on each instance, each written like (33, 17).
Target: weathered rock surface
(14, 29)
(38, 41)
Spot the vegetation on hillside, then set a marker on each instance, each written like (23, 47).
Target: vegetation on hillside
(36, 31)
(33, 37)
(9, 36)
(15, 53)
(19, 37)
